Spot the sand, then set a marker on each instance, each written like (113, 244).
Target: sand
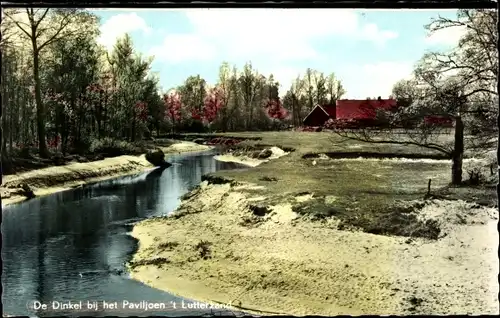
(252, 162)
(281, 263)
(60, 178)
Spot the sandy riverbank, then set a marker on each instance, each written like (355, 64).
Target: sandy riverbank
(280, 263)
(60, 178)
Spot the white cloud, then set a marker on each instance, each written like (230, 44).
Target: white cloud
(186, 47)
(373, 80)
(449, 36)
(371, 32)
(118, 25)
(274, 34)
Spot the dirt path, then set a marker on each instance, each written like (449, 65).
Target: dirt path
(280, 263)
(54, 179)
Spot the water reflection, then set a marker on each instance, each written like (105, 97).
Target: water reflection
(48, 241)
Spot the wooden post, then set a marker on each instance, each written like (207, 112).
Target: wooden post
(429, 187)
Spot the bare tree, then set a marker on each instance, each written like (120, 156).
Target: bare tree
(334, 89)
(250, 85)
(224, 83)
(459, 85)
(297, 91)
(309, 86)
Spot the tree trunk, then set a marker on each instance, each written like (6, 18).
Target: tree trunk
(132, 137)
(250, 121)
(40, 111)
(458, 152)
(5, 131)
(64, 134)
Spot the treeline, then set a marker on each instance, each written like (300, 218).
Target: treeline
(62, 91)
(252, 101)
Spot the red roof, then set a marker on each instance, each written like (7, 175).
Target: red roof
(362, 109)
(330, 109)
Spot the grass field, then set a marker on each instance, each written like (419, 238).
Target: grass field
(361, 192)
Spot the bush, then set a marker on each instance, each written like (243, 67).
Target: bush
(482, 170)
(110, 147)
(203, 247)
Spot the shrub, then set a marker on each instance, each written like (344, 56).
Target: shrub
(203, 248)
(110, 147)
(168, 245)
(397, 221)
(476, 170)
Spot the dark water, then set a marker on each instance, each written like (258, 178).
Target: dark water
(47, 242)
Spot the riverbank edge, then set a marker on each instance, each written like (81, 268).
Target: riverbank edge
(100, 170)
(177, 285)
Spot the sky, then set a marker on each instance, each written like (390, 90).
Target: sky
(368, 50)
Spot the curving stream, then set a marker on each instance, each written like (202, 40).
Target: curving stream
(72, 245)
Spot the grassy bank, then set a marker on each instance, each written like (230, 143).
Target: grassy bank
(53, 179)
(308, 234)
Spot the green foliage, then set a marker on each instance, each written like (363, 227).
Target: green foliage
(110, 147)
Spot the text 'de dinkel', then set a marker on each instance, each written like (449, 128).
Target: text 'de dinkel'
(123, 305)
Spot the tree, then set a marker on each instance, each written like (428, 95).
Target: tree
(334, 89)
(295, 100)
(224, 90)
(309, 86)
(405, 91)
(250, 85)
(173, 105)
(193, 92)
(275, 111)
(72, 72)
(457, 85)
(234, 105)
(213, 103)
(43, 28)
(320, 88)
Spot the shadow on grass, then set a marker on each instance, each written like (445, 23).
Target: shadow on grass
(397, 222)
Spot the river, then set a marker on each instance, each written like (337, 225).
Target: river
(72, 246)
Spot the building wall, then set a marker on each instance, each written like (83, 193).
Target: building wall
(316, 118)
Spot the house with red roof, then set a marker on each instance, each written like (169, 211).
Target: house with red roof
(348, 109)
(362, 112)
(319, 115)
